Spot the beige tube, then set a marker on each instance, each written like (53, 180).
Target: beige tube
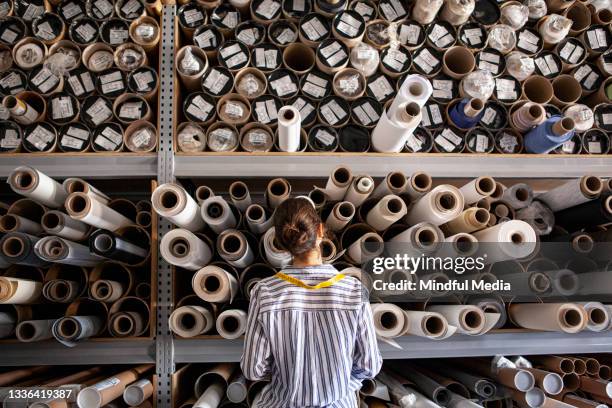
(527, 116)
(82, 207)
(106, 391)
(477, 189)
(171, 201)
(457, 62)
(470, 220)
(565, 317)
(360, 254)
(145, 32)
(551, 383)
(191, 320)
(217, 213)
(231, 324)
(138, 392)
(341, 214)
(214, 284)
(427, 324)
(468, 319)
(580, 402)
(299, 58)
(596, 386)
(580, 15)
(29, 52)
(234, 248)
(387, 211)
(439, 206)
(257, 219)
(107, 290)
(240, 196)
(566, 90)
(359, 190)
(140, 136)
(191, 63)
(203, 193)
(234, 109)
(601, 96)
(338, 183)
(97, 57)
(277, 191)
(395, 182)
(419, 184)
(424, 11)
(77, 185)
(537, 89)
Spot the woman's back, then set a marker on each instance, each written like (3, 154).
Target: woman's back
(314, 345)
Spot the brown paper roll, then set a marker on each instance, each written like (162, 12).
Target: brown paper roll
(149, 41)
(299, 58)
(537, 89)
(457, 62)
(191, 81)
(103, 392)
(278, 190)
(566, 90)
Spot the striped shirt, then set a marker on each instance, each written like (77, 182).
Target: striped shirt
(314, 346)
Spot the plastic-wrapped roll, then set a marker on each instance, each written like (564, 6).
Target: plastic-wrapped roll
(191, 320)
(518, 196)
(57, 223)
(592, 213)
(60, 250)
(359, 190)
(340, 216)
(214, 284)
(138, 392)
(276, 256)
(36, 185)
(572, 193)
(183, 248)
(425, 11)
(510, 240)
(278, 190)
(16, 223)
(18, 248)
(171, 201)
(202, 193)
(289, 127)
(539, 216)
(470, 220)
(338, 183)
(83, 208)
(34, 330)
(415, 88)
(72, 329)
(559, 317)
(240, 196)
(257, 219)
(234, 248)
(128, 323)
(61, 290)
(477, 189)
(107, 244)
(393, 129)
(389, 320)
(231, 324)
(217, 213)
(77, 185)
(19, 291)
(387, 211)
(439, 206)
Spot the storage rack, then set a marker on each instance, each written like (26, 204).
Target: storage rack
(165, 166)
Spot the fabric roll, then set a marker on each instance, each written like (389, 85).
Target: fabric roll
(240, 196)
(289, 127)
(561, 317)
(477, 189)
(36, 185)
(17, 223)
(214, 284)
(19, 291)
(340, 216)
(18, 248)
(394, 183)
(419, 184)
(60, 250)
(598, 316)
(338, 183)
(191, 320)
(389, 320)
(539, 216)
(590, 214)
(257, 219)
(491, 305)
(72, 329)
(217, 214)
(510, 240)
(108, 245)
(421, 238)
(61, 290)
(518, 196)
(468, 319)
(276, 256)
(278, 190)
(57, 223)
(387, 211)
(231, 324)
(83, 208)
(77, 185)
(183, 248)
(34, 330)
(234, 248)
(431, 325)
(470, 220)
(572, 193)
(171, 201)
(439, 206)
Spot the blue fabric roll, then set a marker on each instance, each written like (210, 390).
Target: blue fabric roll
(541, 139)
(460, 119)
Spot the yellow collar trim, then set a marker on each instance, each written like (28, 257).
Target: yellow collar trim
(330, 282)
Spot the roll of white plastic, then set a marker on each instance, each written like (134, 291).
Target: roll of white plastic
(440, 205)
(183, 248)
(509, 240)
(171, 201)
(83, 208)
(77, 185)
(395, 182)
(393, 129)
(415, 88)
(32, 183)
(477, 189)
(217, 213)
(60, 250)
(289, 127)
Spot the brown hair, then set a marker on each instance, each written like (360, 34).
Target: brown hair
(296, 225)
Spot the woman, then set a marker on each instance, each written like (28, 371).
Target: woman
(310, 330)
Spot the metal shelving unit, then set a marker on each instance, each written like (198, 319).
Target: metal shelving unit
(378, 165)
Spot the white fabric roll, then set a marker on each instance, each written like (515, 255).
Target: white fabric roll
(359, 190)
(217, 213)
(171, 201)
(15, 291)
(234, 248)
(57, 223)
(338, 182)
(60, 250)
(240, 196)
(419, 184)
(475, 190)
(415, 88)
(356, 252)
(276, 257)
(34, 184)
(40, 330)
(440, 205)
(94, 213)
(510, 240)
(202, 317)
(75, 185)
(214, 284)
(257, 219)
(211, 397)
(240, 317)
(427, 324)
(183, 248)
(421, 238)
(467, 318)
(386, 212)
(88, 326)
(390, 134)
(289, 127)
(389, 320)
(341, 214)
(597, 309)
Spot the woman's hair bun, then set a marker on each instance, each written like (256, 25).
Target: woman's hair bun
(296, 225)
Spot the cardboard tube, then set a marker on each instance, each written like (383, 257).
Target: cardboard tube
(340, 216)
(172, 201)
(109, 389)
(217, 213)
(338, 183)
(65, 283)
(191, 63)
(98, 57)
(277, 191)
(477, 189)
(537, 89)
(424, 11)
(457, 62)
(596, 386)
(214, 284)
(509, 240)
(140, 136)
(257, 219)
(565, 317)
(551, 383)
(202, 193)
(29, 52)
(183, 248)
(580, 402)
(21, 109)
(81, 207)
(191, 320)
(431, 388)
(145, 31)
(138, 392)
(19, 291)
(36, 185)
(34, 330)
(234, 248)
(527, 116)
(231, 324)
(392, 131)
(299, 58)
(572, 193)
(419, 184)
(387, 211)
(359, 190)
(566, 90)
(439, 206)
(470, 220)
(560, 365)
(602, 95)
(129, 317)
(518, 196)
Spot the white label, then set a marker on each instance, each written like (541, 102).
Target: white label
(112, 135)
(508, 142)
(271, 57)
(590, 81)
(258, 137)
(9, 36)
(595, 147)
(330, 49)
(71, 10)
(486, 56)
(446, 145)
(606, 118)
(142, 137)
(143, 79)
(409, 34)
(236, 60)
(231, 50)
(568, 147)
(395, 59)
(436, 115)
(112, 87)
(268, 9)
(489, 116)
(233, 110)
(86, 31)
(388, 11)
(336, 58)
(380, 88)
(451, 136)
(45, 31)
(283, 86)
(99, 112)
(286, 36)
(261, 112)
(314, 29)
(104, 7)
(62, 108)
(371, 112)
(206, 39)
(192, 16)
(76, 86)
(414, 143)
(72, 142)
(40, 137)
(78, 133)
(304, 107)
(298, 5)
(131, 7)
(364, 9)
(313, 90)
(230, 20)
(247, 36)
(131, 110)
(582, 72)
(482, 143)
(105, 143)
(87, 81)
(325, 137)
(271, 108)
(118, 36)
